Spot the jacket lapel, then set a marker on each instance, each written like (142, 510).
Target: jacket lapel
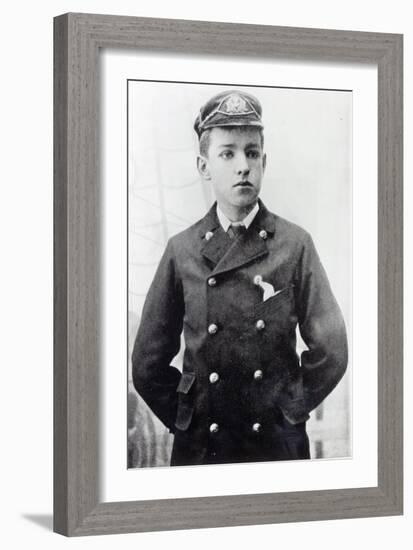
(245, 249)
(215, 242)
(226, 254)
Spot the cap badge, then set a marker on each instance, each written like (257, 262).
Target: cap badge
(235, 104)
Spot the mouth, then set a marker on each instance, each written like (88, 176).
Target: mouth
(243, 184)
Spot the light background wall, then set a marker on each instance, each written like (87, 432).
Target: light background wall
(26, 275)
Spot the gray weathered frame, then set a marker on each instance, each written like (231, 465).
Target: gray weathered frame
(78, 39)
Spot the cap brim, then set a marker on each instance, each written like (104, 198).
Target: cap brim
(233, 122)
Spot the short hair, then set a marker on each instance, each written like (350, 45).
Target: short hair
(205, 138)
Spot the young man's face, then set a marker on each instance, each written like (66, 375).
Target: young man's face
(235, 166)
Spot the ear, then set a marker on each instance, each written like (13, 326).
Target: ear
(203, 167)
(264, 161)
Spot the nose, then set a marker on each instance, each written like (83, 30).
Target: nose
(242, 167)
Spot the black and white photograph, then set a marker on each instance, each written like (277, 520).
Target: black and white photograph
(239, 273)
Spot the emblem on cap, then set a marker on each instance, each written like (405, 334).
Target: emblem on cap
(231, 108)
(235, 104)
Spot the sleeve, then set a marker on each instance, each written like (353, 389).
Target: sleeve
(158, 341)
(323, 330)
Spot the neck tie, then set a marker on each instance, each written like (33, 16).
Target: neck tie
(236, 229)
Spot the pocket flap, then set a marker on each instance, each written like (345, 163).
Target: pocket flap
(184, 417)
(292, 403)
(186, 381)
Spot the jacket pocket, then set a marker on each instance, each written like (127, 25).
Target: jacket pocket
(185, 401)
(292, 402)
(280, 299)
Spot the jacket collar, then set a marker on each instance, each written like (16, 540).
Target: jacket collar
(226, 255)
(264, 219)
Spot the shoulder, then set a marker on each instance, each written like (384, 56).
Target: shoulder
(290, 230)
(288, 239)
(190, 232)
(189, 236)
(287, 231)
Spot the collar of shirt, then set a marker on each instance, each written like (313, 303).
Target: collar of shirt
(247, 221)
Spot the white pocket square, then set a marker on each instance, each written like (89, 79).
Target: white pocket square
(268, 289)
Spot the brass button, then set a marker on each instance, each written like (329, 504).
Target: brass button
(260, 324)
(263, 234)
(212, 329)
(208, 235)
(256, 427)
(212, 281)
(214, 428)
(257, 280)
(258, 374)
(213, 377)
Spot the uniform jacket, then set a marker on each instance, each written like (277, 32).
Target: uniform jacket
(244, 394)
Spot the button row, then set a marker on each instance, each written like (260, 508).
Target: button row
(257, 280)
(214, 427)
(263, 234)
(214, 376)
(259, 325)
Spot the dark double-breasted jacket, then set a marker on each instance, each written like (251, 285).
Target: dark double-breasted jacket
(244, 394)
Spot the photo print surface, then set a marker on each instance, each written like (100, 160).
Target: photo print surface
(239, 273)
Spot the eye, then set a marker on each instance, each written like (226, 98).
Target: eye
(253, 154)
(227, 154)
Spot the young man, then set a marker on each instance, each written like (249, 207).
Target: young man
(237, 283)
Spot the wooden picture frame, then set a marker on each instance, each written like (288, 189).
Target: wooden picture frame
(78, 40)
